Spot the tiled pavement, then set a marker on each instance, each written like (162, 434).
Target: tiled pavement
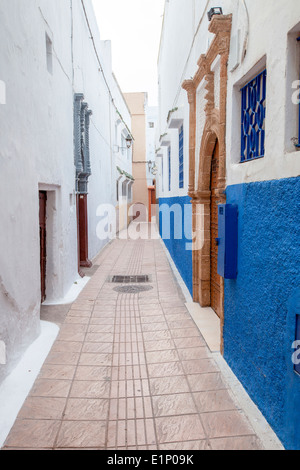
(131, 371)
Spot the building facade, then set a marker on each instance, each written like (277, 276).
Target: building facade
(58, 131)
(144, 119)
(229, 89)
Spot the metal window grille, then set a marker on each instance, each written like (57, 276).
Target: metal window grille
(181, 159)
(253, 118)
(169, 160)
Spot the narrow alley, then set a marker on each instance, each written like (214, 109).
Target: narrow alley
(150, 236)
(130, 370)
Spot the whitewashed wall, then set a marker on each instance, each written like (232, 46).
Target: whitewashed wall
(151, 118)
(37, 153)
(271, 43)
(267, 31)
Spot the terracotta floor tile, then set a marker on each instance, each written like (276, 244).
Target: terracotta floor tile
(141, 432)
(79, 313)
(152, 313)
(73, 337)
(33, 434)
(91, 359)
(57, 372)
(66, 346)
(218, 400)
(236, 443)
(168, 369)
(157, 357)
(206, 382)
(181, 324)
(154, 327)
(168, 385)
(62, 358)
(194, 353)
(185, 333)
(201, 366)
(150, 433)
(99, 337)
(226, 424)
(81, 434)
(86, 409)
(93, 373)
(102, 321)
(157, 335)
(112, 435)
(51, 388)
(104, 348)
(189, 445)
(90, 389)
(161, 345)
(73, 328)
(101, 329)
(194, 342)
(177, 317)
(172, 405)
(43, 408)
(179, 429)
(153, 319)
(84, 320)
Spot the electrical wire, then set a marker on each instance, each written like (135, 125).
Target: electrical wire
(100, 66)
(245, 45)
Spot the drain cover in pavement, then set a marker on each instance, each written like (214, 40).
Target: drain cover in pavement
(129, 279)
(132, 289)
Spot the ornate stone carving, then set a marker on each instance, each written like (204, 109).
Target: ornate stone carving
(82, 147)
(215, 129)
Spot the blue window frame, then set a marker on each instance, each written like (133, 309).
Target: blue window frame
(253, 118)
(181, 158)
(170, 174)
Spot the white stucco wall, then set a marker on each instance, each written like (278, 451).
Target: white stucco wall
(267, 31)
(268, 46)
(37, 153)
(151, 119)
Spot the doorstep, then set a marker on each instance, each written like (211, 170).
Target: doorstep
(208, 323)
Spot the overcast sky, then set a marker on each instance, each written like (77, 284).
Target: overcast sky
(134, 27)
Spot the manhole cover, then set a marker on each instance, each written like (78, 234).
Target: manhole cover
(132, 289)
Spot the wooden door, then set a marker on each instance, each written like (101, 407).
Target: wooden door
(43, 241)
(151, 202)
(215, 280)
(82, 230)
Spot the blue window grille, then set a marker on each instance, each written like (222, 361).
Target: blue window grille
(253, 118)
(181, 159)
(169, 160)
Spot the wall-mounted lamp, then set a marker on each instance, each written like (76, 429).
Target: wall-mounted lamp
(214, 11)
(128, 141)
(154, 170)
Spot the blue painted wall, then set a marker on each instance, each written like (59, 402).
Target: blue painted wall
(260, 306)
(177, 247)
